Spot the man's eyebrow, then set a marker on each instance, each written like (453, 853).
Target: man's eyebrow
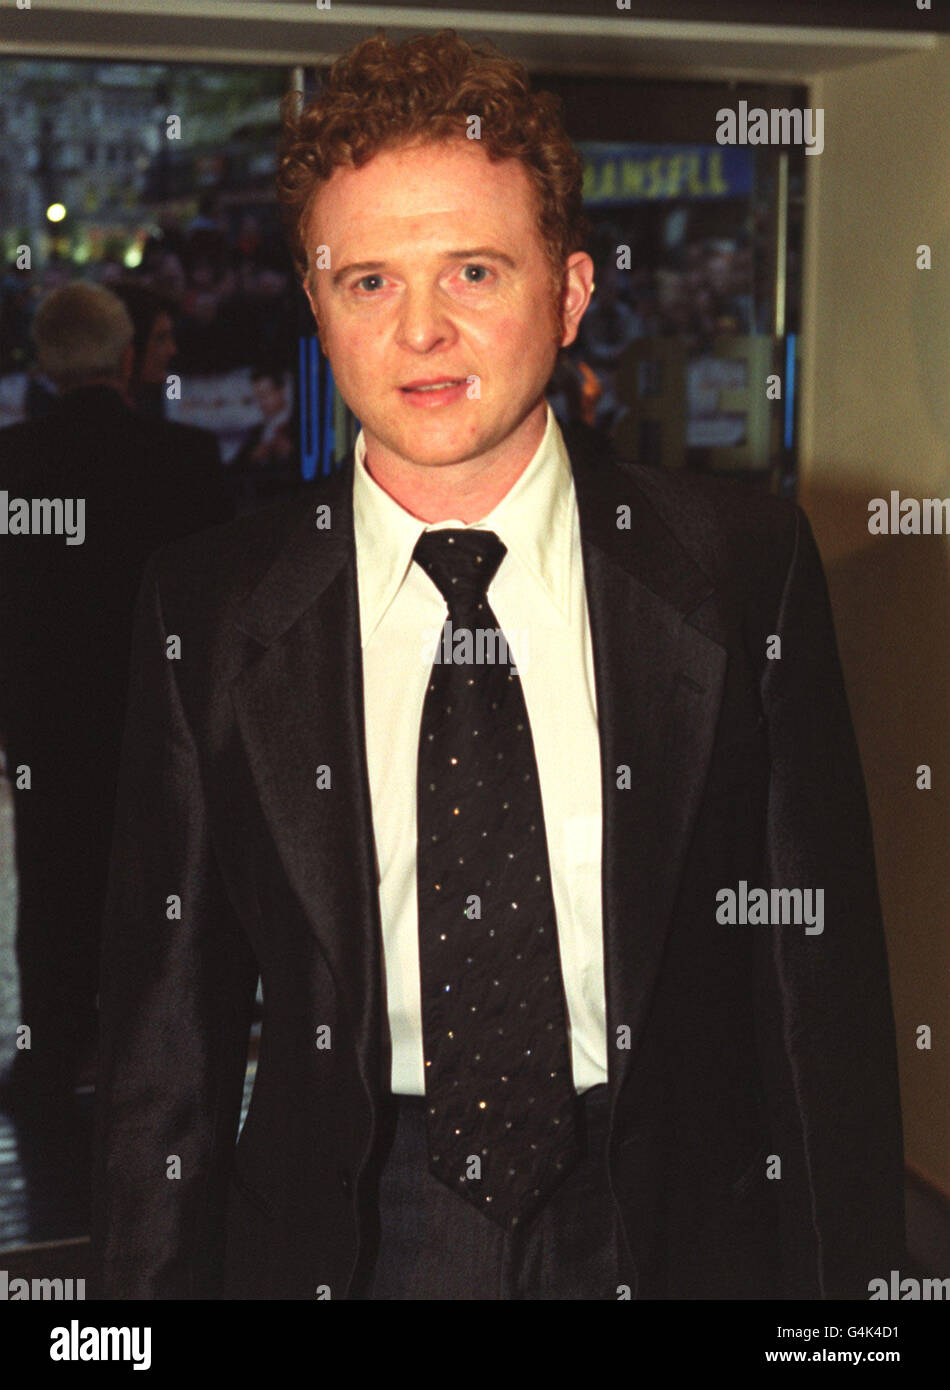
(465, 254)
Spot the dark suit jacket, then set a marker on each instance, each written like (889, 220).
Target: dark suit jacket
(745, 1041)
(66, 611)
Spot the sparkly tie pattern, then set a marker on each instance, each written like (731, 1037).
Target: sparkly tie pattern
(499, 1088)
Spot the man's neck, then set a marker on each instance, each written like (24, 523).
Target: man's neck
(464, 491)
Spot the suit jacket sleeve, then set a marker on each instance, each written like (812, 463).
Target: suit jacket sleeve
(826, 1024)
(176, 997)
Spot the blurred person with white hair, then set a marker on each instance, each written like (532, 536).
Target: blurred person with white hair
(87, 492)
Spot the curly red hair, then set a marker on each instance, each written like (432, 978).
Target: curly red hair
(381, 95)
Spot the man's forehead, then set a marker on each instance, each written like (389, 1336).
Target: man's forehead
(427, 189)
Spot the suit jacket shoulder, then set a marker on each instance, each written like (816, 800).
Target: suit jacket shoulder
(229, 560)
(743, 541)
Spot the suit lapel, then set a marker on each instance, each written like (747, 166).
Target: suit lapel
(659, 681)
(299, 707)
(659, 688)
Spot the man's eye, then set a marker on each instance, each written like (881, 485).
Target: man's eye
(362, 281)
(483, 268)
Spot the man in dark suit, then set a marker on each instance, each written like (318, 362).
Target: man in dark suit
(519, 1041)
(66, 607)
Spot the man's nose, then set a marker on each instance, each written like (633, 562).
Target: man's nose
(424, 318)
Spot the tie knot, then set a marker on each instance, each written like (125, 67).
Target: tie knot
(461, 564)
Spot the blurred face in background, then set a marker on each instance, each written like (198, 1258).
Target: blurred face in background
(159, 351)
(270, 398)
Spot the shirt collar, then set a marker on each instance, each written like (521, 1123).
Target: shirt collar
(533, 519)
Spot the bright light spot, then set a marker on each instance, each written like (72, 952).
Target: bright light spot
(133, 256)
(55, 212)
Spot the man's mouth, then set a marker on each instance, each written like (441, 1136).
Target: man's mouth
(441, 384)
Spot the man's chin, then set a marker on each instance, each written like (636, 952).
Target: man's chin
(427, 447)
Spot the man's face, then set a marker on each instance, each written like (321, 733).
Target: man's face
(438, 271)
(270, 398)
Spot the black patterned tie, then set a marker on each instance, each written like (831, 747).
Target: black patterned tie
(499, 1087)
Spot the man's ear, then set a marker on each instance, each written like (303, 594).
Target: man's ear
(578, 288)
(312, 301)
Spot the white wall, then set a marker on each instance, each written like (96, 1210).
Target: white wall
(876, 417)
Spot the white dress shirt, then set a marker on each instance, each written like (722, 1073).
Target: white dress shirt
(539, 599)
